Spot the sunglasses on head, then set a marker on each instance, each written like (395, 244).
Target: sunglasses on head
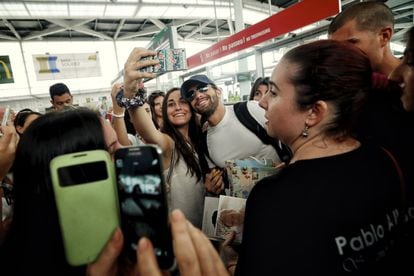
(190, 94)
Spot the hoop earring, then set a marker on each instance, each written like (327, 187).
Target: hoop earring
(305, 132)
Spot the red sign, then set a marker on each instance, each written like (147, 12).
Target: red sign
(296, 16)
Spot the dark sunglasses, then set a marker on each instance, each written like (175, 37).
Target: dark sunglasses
(190, 94)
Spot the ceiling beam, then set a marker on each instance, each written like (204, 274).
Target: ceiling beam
(180, 23)
(202, 26)
(68, 24)
(63, 25)
(85, 30)
(147, 31)
(403, 25)
(400, 34)
(230, 24)
(158, 23)
(48, 31)
(213, 37)
(404, 14)
(118, 29)
(2, 36)
(12, 29)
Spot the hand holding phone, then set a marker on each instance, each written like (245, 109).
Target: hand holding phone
(143, 203)
(170, 60)
(84, 185)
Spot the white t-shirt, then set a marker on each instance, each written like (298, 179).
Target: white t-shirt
(186, 193)
(229, 139)
(135, 141)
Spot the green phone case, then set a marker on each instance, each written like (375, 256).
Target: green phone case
(88, 212)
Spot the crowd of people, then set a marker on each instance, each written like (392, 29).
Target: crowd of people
(343, 204)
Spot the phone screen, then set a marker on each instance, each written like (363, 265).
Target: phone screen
(81, 174)
(144, 211)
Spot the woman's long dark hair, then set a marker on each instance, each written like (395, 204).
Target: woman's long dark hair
(34, 244)
(197, 166)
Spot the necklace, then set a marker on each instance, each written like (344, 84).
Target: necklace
(317, 147)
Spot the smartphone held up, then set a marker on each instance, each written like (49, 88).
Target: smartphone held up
(170, 60)
(84, 185)
(143, 202)
(95, 195)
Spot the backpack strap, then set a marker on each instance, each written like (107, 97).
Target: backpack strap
(203, 140)
(244, 116)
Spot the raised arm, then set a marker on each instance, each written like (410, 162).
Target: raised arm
(140, 118)
(118, 112)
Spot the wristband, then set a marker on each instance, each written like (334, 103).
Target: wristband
(117, 115)
(130, 103)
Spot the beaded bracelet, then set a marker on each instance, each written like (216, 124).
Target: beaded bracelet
(129, 103)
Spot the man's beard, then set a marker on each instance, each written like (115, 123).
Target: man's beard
(210, 109)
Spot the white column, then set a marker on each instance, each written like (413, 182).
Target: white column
(238, 15)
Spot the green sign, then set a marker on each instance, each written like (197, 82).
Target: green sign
(158, 39)
(245, 76)
(6, 73)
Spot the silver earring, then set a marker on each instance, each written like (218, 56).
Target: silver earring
(305, 133)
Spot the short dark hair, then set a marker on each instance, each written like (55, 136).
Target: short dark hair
(58, 89)
(369, 16)
(335, 72)
(22, 115)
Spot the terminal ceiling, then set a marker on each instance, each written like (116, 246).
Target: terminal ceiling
(117, 20)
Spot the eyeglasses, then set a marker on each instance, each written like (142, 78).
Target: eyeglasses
(7, 192)
(190, 94)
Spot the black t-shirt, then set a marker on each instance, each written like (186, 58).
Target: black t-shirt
(327, 216)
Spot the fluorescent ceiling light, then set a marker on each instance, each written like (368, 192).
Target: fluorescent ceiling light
(86, 10)
(47, 10)
(188, 2)
(208, 12)
(177, 12)
(120, 10)
(149, 11)
(252, 17)
(157, 1)
(99, 1)
(13, 9)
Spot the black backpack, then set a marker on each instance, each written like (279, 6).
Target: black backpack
(244, 116)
